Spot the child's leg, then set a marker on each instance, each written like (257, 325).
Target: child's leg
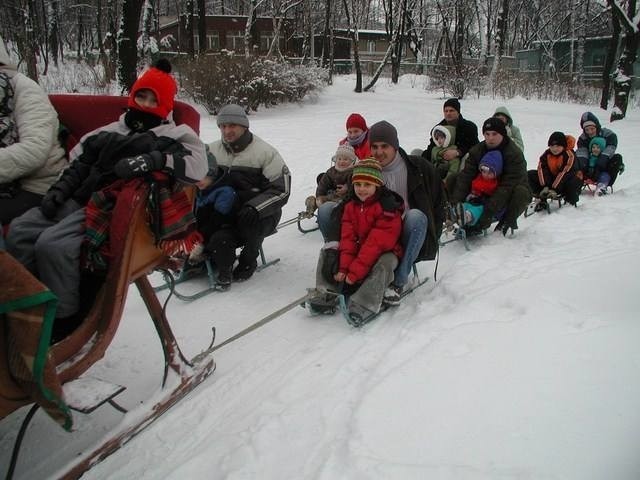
(371, 292)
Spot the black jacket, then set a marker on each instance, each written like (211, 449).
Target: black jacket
(466, 137)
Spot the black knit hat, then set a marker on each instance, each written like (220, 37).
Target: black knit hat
(496, 125)
(384, 132)
(557, 138)
(453, 103)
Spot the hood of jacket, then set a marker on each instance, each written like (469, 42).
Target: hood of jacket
(503, 111)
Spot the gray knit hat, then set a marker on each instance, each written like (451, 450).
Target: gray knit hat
(384, 132)
(233, 114)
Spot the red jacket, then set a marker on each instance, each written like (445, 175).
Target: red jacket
(368, 230)
(481, 186)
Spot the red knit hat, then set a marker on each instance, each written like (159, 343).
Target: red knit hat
(355, 120)
(161, 83)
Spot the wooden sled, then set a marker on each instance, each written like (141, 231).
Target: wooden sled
(88, 343)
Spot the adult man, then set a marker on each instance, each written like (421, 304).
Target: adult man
(466, 131)
(418, 183)
(30, 155)
(609, 163)
(512, 194)
(262, 183)
(47, 239)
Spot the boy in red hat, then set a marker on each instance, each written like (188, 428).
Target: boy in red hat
(48, 239)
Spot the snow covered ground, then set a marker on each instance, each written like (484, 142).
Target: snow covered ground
(520, 362)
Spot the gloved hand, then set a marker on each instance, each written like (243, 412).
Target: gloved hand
(248, 217)
(544, 193)
(553, 195)
(136, 166)
(52, 200)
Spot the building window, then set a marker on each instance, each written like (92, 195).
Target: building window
(213, 41)
(371, 46)
(235, 40)
(266, 38)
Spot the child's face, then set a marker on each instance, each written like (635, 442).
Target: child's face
(439, 139)
(146, 98)
(364, 190)
(595, 149)
(556, 149)
(487, 172)
(354, 132)
(342, 162)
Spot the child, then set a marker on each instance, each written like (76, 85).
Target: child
(556, 173)
(369, 242)
(357, 135)
(593, 172)
(215, 203)
(444, 137)
(333, 185)
(482, 186)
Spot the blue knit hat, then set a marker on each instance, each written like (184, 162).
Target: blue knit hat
(493, 160)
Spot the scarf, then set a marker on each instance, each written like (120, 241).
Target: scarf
(354, 142)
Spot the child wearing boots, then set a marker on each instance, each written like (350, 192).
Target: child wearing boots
(482, 187)
(369, 247)
(333, 185)
(556, 172)
(593, 171)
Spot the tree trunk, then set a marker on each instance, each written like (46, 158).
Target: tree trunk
(127, 36)
(202, 26)
(327, 38)
(54, 31)
(353, 33)
(623, 77)
(612, 50)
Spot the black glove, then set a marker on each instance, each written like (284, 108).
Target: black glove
(330, 264)
(136, 166)
(248, 217)
(51, 201)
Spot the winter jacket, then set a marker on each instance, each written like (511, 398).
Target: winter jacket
(445, 167)
(582, 153)
(425, 193)
(481, 186)
(37, 158)
(368, 230)
(257, 172)
(466, 137)
(94, 157)
(512, 130)
(554, 170)
(514, 173)
(363, 149)
(329, 183)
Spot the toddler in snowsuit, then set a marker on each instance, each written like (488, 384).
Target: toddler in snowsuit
(444, 137)
(215, 204)
(556, 173)
(593, 171)
(370, 247)
(333, 185)
(482, 186)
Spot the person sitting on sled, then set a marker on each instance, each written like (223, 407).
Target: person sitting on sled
(333, 185)
(47, 239)
(608, 161)
(357, 136)
(444, 138)
(556, 172)
(369, 248)
(593, 171)
(482, 187)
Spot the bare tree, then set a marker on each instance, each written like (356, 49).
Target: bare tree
(127, 36)
(499, 39)
(630, 21)
(279, 10)
(612, 50)
(354, 11)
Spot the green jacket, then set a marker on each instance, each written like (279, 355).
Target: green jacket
(512, 130)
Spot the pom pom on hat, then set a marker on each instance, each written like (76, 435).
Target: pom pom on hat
(355, 120)
(161, 83)
(453, 103)
(495, 125)
(367, 170)
(232, 114)
(557, 138)
(384, 132)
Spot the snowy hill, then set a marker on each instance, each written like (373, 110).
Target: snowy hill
(521, 361)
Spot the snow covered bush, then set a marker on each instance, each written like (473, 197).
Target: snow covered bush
(215, 80)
